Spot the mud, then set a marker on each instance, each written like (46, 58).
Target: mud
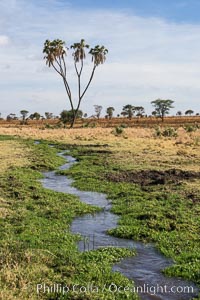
(194, 197)
(153, 177)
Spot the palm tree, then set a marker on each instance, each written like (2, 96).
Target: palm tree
(55, 52)
(79, 51)
(79, 56)
(98, 54)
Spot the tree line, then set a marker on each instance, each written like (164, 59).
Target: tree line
(161, 109)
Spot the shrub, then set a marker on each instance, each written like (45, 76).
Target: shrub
(158, 131)
(123, 125)
(48, 126)
(190, 128)
(166, 132)
(93, 125)
(169, 132)
(118, 130)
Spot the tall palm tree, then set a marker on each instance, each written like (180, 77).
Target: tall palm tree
(55, 52)
(79, 50)
(98, 54)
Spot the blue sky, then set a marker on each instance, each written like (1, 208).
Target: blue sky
(173, 10)
(154, 52)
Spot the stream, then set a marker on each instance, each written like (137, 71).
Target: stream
(144, 268)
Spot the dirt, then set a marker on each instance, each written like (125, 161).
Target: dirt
(153, 177)
(194, 197)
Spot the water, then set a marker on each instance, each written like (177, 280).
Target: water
(144, 268)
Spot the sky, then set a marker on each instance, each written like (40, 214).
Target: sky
(154, 52)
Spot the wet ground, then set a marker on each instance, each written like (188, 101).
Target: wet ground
(153, 177)
(145, 269)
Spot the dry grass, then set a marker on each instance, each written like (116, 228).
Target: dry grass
(95, 135)
(18, 276)
(4, 208)
(135, 148)
(12, 153)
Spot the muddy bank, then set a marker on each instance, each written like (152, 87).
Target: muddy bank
(153, 177)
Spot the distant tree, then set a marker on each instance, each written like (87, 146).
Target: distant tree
(154, 113)
(48, 115)
(11, 117)
(66, 116)
(85, 115)
(8, 118)
(139, 111)
(128, 110)
(24, 114)
(14, 117)
(110, 111)
(197, 114)
(189, 112)
(31, 116)
(98, 109)
(179, 113)
(55, 52)
(36, 115)
(162, 107)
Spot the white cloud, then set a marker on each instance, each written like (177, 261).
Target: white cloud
(4, 40)
(148, 57)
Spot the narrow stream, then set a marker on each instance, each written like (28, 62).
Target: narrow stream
(144, 268)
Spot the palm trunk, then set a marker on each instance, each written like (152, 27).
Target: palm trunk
(74, 117)
(72, 122)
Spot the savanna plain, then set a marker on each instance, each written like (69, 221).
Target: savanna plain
(152, 179)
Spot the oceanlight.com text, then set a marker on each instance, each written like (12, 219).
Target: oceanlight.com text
(57, 288)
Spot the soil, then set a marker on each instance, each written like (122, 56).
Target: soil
(153, 177)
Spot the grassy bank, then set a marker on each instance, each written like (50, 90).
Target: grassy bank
(36, 246)
(164, 213)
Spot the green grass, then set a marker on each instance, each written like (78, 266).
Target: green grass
(36, 245)
(159, 214)
(6, 137)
